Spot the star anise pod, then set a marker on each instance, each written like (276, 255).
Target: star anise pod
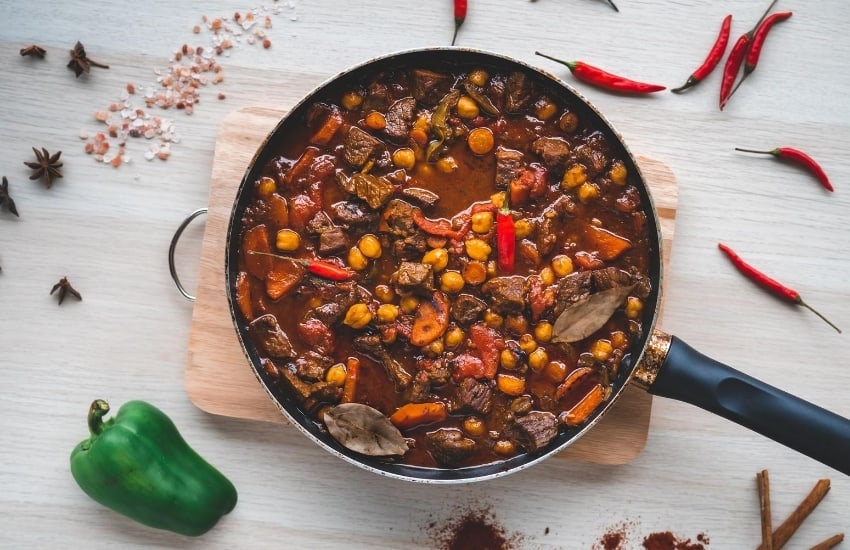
(65, 288)
(34, 51)
(46, 166)
(80, 63)
(6, 202)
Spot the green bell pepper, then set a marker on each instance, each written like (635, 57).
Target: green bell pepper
(139, 465)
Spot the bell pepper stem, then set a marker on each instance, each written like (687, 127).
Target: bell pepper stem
(97, 411)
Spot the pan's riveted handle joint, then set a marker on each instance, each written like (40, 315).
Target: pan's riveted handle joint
(653, 358)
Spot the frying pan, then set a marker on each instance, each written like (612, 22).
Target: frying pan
(659, 363)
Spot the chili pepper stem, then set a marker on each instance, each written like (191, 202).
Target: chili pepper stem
(816, 312)
(773, 152)
(97, 411)
(457, 28)
(613, 5)
(571, 65)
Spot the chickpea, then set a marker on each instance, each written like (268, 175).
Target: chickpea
(370, 246)
(352, 100)
(568, 122)
(547, 275)
(587, 192)
(511, 385)
(601, 350)
(634, 306)
(336, 375)
(478, 249)
(619, 340)
(482, 222)
(574, 176)
(467, 108)
(479, 77)
(420, 137)
(266, 187)
(287, 240)
(508, 359)
(545, 108)
(555, 372)
(424, 170)
(437, 257)
(356, 260)
(408, 304)
(498, 199)
(376, 121)
(404, 158)
(562, 265)
(523, 228)
(474, 426)
(618, 173)
(447, 165)
(451, 282)
(358, 316)
(387, 313)
(538, 359)
(384, 293)
(517, 324)
(504, 447)
(435, 348)
(527, 343)
(480, 140)
(454, 337)
(543, 331)
(493, 319)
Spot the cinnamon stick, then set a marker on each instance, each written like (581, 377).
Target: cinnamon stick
(831, 542)
(763, 482)
(784, 532)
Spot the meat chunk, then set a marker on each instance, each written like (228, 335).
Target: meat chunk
(593, 154)
(398, 215)
(571, 289)
(374, 191)
(317, 336)
(377, 97)
(321, 391)
(533, 431)
(332, 241)
(429, 86)
(272, 339)
(312, 366)
(420, 390)
(423, 196)
(609, 277)
(359, 146)
(547, 234)
(398, 118)
(466, 309)
(449, 447)
(554, 151)
(519, 91)
(415, 277)
(352, 213)
(508, 165)
(370, 344)
(473, 397)
(507, 294)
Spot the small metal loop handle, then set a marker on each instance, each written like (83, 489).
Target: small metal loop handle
(173, 246)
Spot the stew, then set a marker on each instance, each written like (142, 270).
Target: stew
(412, 244)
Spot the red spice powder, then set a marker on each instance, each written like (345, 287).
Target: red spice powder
(473, 530)
(665, 540)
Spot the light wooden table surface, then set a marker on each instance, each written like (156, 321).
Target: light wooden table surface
(108, 230)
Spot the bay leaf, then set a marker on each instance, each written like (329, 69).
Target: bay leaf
(589, 314)
(364, 430)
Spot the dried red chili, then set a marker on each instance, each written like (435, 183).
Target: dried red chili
(460, 16)
(604, 79)
(768, 283)
(754, 52)
(798, 157)
(319, 268)
(505, 241)
(712, 59)
(736, 59)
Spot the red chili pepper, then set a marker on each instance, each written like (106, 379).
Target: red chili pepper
(736, 59)
(460, 16)
(505, 241)
(757, 45)
(768, 283)
(440, 228)
(320, 268)
(604, 79)
(798, 157)
(712, 59)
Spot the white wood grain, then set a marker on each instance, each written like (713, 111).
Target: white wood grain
(108, 230)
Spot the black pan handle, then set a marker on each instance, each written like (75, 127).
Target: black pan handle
(689, 376)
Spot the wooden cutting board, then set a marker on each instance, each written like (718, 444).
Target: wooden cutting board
(218, 377)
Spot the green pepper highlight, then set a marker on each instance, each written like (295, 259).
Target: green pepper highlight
(137, 464)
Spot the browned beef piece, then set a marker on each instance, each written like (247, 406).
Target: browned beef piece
(319, 223)
(352, 213)
(448, 446)
(359, 145)
(593, 154)
(436, 370)
(398, 118)
(415, 277)
(519, 92)
(377, 98)
(370, 344)
(429, 87)
(564, 206)
(609, 277)
(325, 392)
(399, 217)
(423, 196)
(332, 241)
(554, 151)
(317, 336)
(533, 431)
(473, 397)
(336, 299)
(272, 339)
(571, 289)
(410, 247)
(312, 366)
(420, 390)
(507, 294)
(466, 309)
(528, 251)
(301, 388)
(508, 164)
(547, 234)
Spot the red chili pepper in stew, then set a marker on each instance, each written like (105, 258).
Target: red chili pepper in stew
(712, 59)
(768, 283)
(604, 79)
(319, 268)
(460, 16)
(798, 157)
(505, 241)
(757, 45)
(736, 59)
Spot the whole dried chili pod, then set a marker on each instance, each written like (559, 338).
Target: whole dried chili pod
(798, 157)
(603, 79)
(753, 54)
(460, 8)
(769, 283)
(712, 59)
(505, 238)
(736, 59)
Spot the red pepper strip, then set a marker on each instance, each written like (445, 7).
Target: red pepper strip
(712, 59)
(320, 268)
(757, 45)
(736, 59)
(441, 227)
(505, 241)
(460, 16)
(798, 157)
(768, 283)
(604, 79)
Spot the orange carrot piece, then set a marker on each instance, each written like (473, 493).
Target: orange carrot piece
(243, 295)
(301, 165)
(326, 132)
(282, 277)
(256, 239)
(352, 376)
(279, 210)
(414, 414)
(587, 405)
(474, 273)
(608, 245)
(431, 320)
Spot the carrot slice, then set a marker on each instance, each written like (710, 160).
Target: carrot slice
(301, 165)
(282, 277)
(431, 320)
(256, 239)
(587, 405)
(608, 245)
(414, 414)
(243, 295)
(279, 210)
(571, 380)
(352, 376)
(324, 134)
